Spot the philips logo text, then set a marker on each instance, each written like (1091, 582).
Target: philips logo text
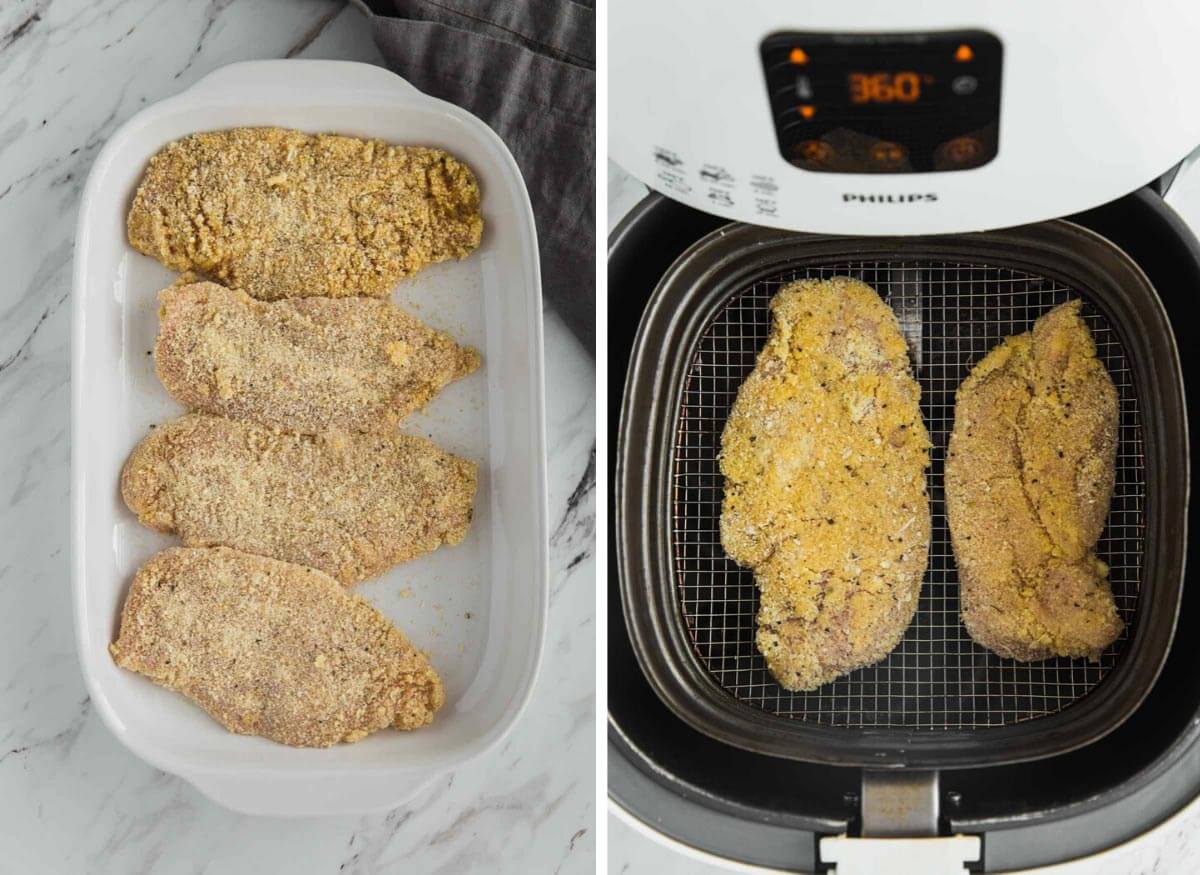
(888, 198)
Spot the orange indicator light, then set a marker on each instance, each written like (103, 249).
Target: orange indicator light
(798, 56)
(807, 111)
(964, 53)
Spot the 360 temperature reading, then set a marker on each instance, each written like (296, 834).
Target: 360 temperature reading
(902, 87)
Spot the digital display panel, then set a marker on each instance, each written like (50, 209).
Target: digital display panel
(885, 103)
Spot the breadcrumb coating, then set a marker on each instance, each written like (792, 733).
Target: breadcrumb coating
(824, 456)
(280, 213)
(350, 505)
(306, 365)
(273, 649)
(1029, 476)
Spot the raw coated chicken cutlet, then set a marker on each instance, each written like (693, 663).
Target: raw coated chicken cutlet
(273, 649)
(1029, 476)
(824, 456)
(280, 213)
(350, 505)
(305, 365)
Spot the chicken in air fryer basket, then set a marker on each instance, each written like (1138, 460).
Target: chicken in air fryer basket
(1029, 477)
(824, 457)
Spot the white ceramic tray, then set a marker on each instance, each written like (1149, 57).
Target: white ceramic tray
(478, 608)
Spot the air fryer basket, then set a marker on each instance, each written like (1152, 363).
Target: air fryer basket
(939, 700)
(952, 314)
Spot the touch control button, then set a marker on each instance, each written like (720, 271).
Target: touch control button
(964, 85)
(817, 151)
(961, 150)
(887, 154)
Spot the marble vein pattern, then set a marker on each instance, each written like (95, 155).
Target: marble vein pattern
(72, 799)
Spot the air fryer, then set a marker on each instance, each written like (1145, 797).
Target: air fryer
(773, 808)
(976, 172)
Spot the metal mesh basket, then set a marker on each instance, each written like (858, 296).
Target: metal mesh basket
(952, 314)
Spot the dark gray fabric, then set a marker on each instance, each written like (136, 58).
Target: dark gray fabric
(527, 68)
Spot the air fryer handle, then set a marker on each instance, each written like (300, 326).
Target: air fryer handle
(900, 830)
(899, 803)
(928, 856)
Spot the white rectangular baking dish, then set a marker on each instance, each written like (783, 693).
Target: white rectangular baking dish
(478, 608)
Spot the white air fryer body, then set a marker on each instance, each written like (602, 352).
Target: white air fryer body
(1095, 100)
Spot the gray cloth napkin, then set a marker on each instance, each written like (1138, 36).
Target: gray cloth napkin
(527, 68)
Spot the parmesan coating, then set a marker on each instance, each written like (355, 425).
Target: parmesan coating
(306, 365)
(279, 213)
(350, 505)
(1029, 476)
(273, 649)
(824, 456)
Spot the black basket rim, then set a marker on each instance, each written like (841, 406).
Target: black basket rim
(729, 259)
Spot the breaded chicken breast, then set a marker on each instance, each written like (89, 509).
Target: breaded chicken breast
(273, 649)
(350, 505)
(282, 214)
(306, 365)
(824, 456)
(1029, 477)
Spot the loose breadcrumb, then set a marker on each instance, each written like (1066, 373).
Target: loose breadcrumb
(273, 649)
(306, 365)
(281, 214)
(351, 505)
(1029, 476)
(824, 456)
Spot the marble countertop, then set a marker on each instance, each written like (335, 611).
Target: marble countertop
(1173, 848)
(72, 799)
